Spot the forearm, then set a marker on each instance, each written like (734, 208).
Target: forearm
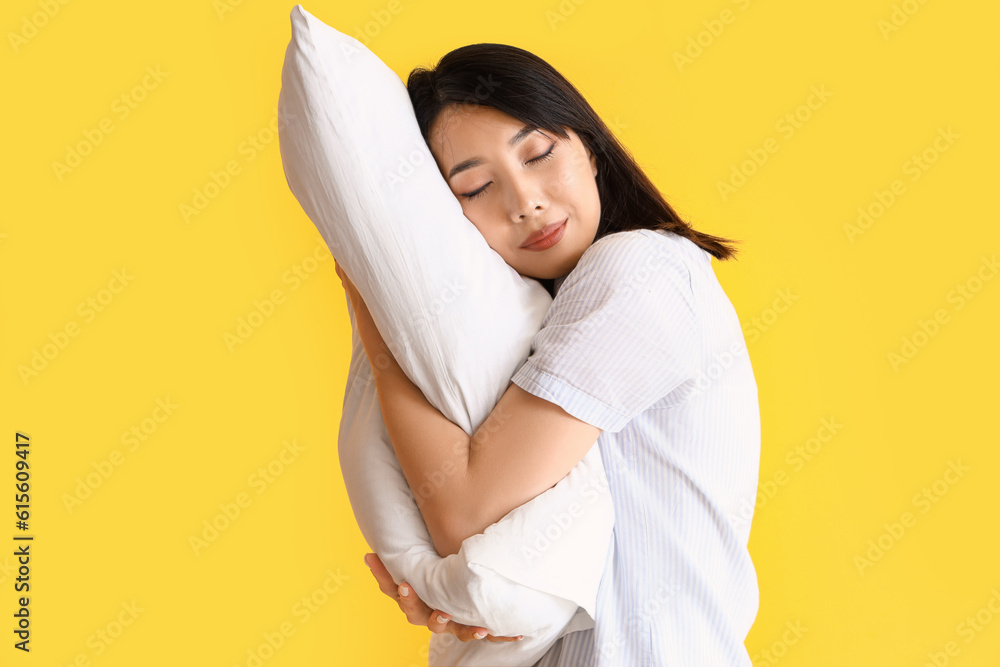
(463, 485)
(432, 451)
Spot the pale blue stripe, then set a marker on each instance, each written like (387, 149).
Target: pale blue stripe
(680, 444)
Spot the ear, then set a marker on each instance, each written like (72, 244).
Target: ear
(593, 161)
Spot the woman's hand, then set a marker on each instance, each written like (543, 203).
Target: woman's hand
(419, 613)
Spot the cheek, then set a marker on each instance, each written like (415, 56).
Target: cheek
(493, 234)
(572, 179)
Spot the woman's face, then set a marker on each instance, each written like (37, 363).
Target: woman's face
(511, 193)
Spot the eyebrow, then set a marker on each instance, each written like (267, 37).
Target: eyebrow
(475, 162)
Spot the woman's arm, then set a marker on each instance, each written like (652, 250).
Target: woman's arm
(464, 484)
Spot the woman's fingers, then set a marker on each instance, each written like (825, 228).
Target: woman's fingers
(441, 622)
(504, 639)
(382, 576)
(416, 611)
(419, 613)
(466, 633)
(438, 622)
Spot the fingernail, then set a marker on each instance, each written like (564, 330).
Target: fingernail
(404, 591)
(479, 635)
(442, 619)
(366, 561)
(519, 637)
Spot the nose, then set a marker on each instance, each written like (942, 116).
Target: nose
(527, 199)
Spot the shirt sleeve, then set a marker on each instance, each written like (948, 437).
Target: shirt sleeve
(621, 332)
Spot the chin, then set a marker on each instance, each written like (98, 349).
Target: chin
(554, 267)
(550, 273)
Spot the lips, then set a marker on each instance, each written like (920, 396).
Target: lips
(547, 230)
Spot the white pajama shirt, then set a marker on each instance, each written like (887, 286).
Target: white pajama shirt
(642, 342)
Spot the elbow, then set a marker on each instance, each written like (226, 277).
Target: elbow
(446, 546)
(446, 528)
(451, 515)
(460, 526)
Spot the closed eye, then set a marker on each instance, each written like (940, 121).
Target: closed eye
(541, 158)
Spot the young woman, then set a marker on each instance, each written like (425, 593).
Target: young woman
(641, 351)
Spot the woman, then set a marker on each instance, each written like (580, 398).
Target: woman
(641, 351)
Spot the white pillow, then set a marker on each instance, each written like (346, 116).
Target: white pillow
(459, 321)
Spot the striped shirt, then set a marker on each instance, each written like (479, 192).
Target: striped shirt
(642, 342)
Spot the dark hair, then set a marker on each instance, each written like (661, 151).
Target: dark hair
(522, 85)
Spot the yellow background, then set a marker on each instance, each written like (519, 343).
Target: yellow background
(160, 336)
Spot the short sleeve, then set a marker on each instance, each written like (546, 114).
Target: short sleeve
(621, 332)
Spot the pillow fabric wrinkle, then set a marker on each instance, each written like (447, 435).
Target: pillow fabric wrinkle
(459, 322)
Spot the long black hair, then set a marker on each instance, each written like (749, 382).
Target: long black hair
(522, 85)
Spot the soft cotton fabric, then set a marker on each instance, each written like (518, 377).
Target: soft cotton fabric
(459, 321)
(642, 342)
